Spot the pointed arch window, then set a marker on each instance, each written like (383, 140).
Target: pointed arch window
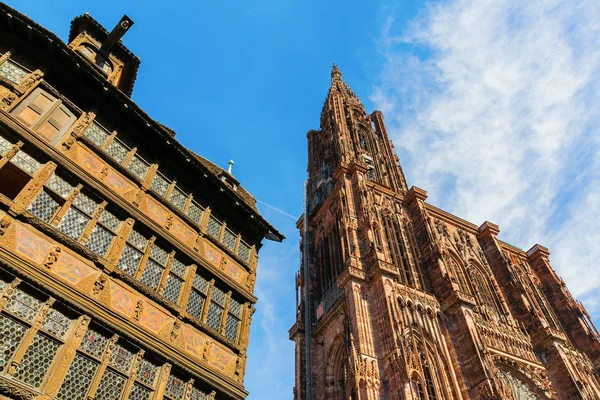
(397, 248)
(418, 387)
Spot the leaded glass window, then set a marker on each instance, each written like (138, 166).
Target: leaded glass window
(73, 223)
(160, 184)
(11, 333)
(96, 134)
(130, 259)
(37, 359)
(117, 150)
(85, 203)
(94, 343)
(178, 198)
(5, 145)
(244, 251)
(138, 240)
(57, 323)
(138, 167)
(175, 388)
(194, 211)
(231, 327)
(12, 72)
(121, 358)
(218, 296)
(175, 281)
(26, 162)
(138, 392)
(24, 305)
(60, 186)
(233, 320)
(84, 366)
(111, 386)
(44, 206)
(152, 274)
(215, 314)
(229, 239)
(103, 233)
(79, 378)
(197, 394)
(214, 227)
(147, 372)
(197, 297)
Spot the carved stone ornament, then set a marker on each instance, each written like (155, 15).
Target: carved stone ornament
(52, 257)
(5, 223)
(139, 307)
(100, 284)
(8, 100)
(16, 391)
(30, 81)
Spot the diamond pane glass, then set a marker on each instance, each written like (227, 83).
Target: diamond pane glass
(96, 134)
(214, 227)
(25, 162)
(200, 283)
(44, 206)
(235, 308)
(12, 72)
(111, 386)
(229, 239)
(175, 388)
(137, 239)
(160, 184)
(178, 198)
(231, 327)
(215, 313)
(138, 392)
(194, 212)
(178, 267)
(94, 343)
(117, 150)
(159, 254)
(37, 360)
(172, 288)
(244, 251)
(195, 304)
(24, 305)
(218, 295)
(130, 260)
(60, 186)
(121, 358)
(5, 145)
(11, 333)
(3, 284)
(100, 240)
(147, 372)
(110, 221)
(57, 323)
(152, 274)
(138, 167)
(78, 379)
(73, 223)
(85, 204)
(197, 394)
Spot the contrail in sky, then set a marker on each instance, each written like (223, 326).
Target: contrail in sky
(278, 210)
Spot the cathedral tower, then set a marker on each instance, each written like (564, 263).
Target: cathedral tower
(398, 299)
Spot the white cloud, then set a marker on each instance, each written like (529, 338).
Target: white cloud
(493, 107)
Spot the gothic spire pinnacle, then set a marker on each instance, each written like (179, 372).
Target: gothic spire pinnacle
(335, 73)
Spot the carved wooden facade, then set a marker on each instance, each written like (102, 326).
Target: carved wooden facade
(410, 302)
(127, 262)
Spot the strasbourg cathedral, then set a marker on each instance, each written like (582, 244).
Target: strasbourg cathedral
(397, 299)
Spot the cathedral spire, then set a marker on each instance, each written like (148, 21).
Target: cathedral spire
(336, 74)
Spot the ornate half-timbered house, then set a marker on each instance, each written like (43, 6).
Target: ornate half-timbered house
(127, 261)
(398, 299)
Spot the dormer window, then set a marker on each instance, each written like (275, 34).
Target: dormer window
(96, 58)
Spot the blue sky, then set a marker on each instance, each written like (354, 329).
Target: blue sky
(492, 106)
